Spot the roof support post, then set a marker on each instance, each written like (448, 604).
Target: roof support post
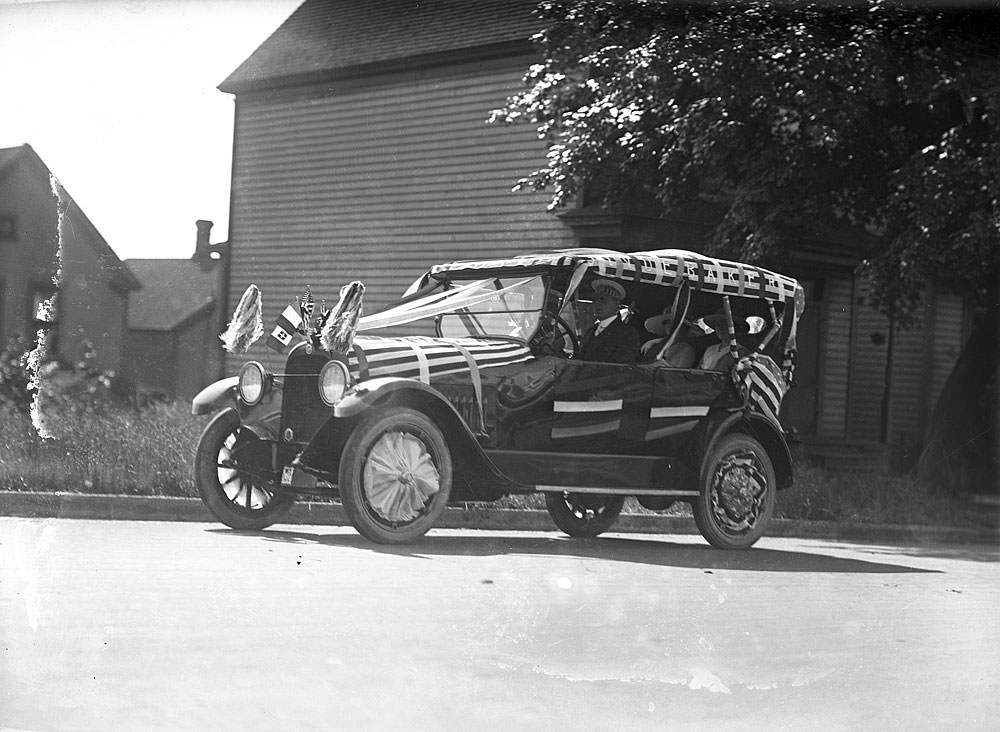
(733, 345)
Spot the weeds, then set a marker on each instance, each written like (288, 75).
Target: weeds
(120, 451)
(870, 497)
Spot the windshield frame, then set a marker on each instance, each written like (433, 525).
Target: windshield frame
(535, 285)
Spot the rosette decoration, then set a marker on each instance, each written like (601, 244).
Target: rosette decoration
(247, 324)
(400, 476)
(340, 325)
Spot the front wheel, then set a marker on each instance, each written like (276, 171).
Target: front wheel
(584, 514)
(395, 475)
(737, 493)
(230, 468)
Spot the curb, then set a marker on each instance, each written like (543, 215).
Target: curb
(162, 508)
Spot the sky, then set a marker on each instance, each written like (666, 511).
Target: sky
(119, 99)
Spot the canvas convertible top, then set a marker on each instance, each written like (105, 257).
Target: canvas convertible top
(660, 267)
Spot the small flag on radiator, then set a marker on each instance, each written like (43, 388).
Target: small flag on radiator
(285, 328)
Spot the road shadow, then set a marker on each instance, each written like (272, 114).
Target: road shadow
(651, 552)
(968, 553)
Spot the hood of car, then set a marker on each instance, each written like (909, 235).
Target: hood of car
(423, 358)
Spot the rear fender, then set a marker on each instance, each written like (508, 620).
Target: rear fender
(762, 429)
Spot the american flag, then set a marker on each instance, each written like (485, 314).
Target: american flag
(761, 383)
(307, 304)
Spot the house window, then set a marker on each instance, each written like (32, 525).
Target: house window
(8, 227)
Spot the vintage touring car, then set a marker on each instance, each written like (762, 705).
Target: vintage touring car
(495, 403)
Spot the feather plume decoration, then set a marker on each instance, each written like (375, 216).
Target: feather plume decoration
(341, 323)
(247, 324)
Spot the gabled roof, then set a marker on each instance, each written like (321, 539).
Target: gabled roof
(8, 156)
(173, 291)
(335, 38)
(120, 276)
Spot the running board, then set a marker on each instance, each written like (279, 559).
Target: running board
(614, 491)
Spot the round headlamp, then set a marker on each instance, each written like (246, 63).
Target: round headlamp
(333, 381)
(252, 382)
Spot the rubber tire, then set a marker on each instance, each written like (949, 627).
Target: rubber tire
(575, 526)
(716, 535)
(206, 477)
(392, 419)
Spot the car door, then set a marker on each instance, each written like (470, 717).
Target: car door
(681, 398)
(599, 407)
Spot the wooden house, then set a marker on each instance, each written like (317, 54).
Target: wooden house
(93, 284)
(362, 151)
(172, 345)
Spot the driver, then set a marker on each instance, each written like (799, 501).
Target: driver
(609, 339)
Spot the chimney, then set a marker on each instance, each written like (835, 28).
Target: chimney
(202, 249)
(201, 245)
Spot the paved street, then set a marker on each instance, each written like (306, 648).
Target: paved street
(118, 625)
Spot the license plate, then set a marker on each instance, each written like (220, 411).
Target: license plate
(287, 475)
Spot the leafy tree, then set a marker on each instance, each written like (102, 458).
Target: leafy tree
(788, 116)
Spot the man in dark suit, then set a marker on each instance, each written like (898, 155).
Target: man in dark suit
(609, 339)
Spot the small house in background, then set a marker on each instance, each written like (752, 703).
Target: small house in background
(91, 309)
(172, 346)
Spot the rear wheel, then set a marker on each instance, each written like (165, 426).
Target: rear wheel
(737, 493)
(395, 475)
(230, 468)
(584, 514)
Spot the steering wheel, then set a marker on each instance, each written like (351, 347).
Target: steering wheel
(563, 327)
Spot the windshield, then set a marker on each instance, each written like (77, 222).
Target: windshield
(513, 310)
(510, 307)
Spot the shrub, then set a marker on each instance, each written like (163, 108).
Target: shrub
(14, 391)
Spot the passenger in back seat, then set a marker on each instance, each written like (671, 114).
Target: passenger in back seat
(679, 352)
(717, 356)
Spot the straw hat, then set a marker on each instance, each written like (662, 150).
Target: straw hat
(657, 325)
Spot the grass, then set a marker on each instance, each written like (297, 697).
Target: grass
(871, 497)
(111, 451)
(122, 451)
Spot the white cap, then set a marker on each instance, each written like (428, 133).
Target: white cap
(610, 285)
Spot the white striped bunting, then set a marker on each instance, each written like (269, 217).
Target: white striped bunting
(586, 429)
(611, 405)
(424, 358)
(667, 412)
(657, 267)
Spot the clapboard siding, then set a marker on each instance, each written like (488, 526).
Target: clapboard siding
(949, 337)
(377, 183)
(832, 420)
(869, 349)
(908, 369)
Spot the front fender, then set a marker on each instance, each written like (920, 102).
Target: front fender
(372, 391)
(263, 418)
(476, 475)
(215, 396)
